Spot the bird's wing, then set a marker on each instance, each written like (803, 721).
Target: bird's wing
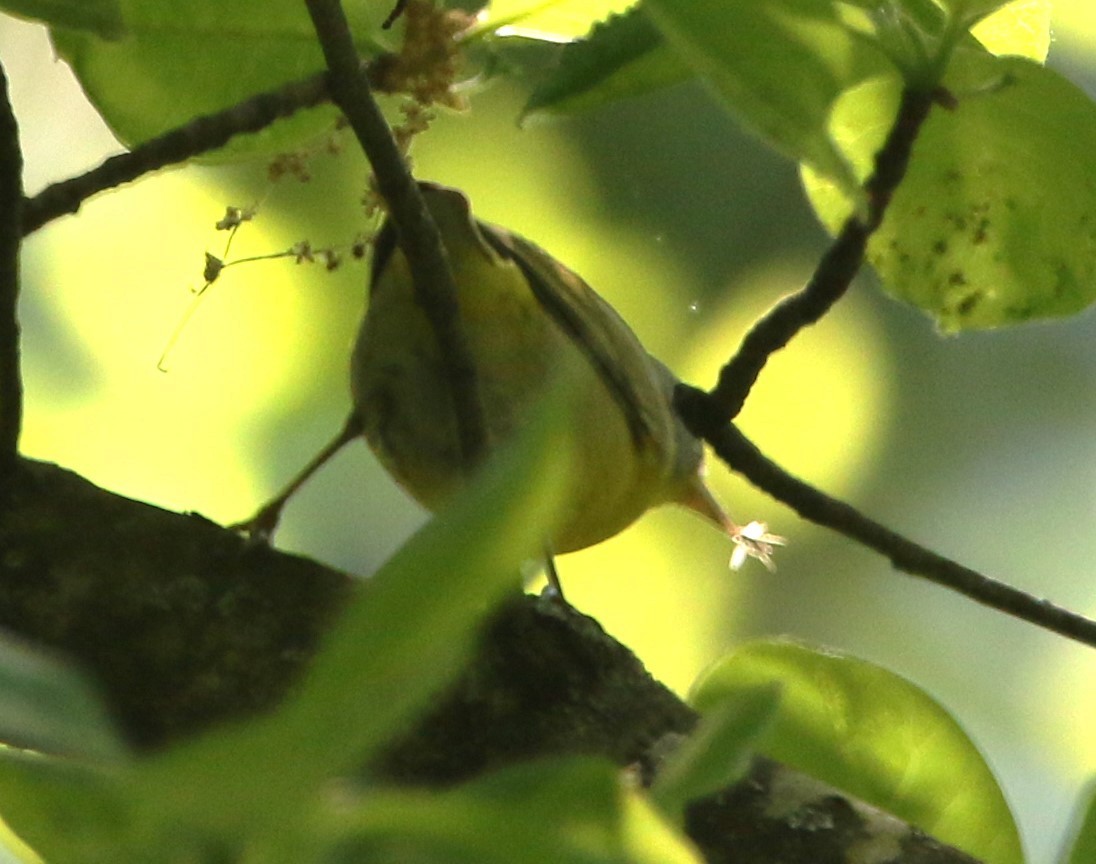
(628, 372)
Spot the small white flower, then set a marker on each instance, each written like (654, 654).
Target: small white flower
(754, 541)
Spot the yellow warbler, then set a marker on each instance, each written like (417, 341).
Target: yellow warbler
(525, 317)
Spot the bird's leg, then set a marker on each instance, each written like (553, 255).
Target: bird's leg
(261, 526)
(555, 587)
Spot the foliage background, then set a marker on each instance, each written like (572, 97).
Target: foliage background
(980, 446)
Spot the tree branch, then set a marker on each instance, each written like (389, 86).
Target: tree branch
(182, 623)
(185, 626)
(418, 235)
(200, 135)
(743, 457)
(708, 415)
(829, 283)
(11, 199)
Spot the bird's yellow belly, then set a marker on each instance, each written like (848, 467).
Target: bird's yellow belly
(403, 398)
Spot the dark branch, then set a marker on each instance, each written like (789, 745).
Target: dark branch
(832, 278)
(185, 626)
(708, 415)
(394, 15)
(200, 135)
(419, 238)
(810, 503)
(11, 200)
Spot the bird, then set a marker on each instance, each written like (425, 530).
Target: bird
(525, 317)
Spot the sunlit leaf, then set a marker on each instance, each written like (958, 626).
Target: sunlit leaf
(623, 56)
(1021, 27)
(550, 19)
(993, 223)
(101, 17)
(875, 735)
(178, 61)
(971, 10)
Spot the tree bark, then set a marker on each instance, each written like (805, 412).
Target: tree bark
(184, 625)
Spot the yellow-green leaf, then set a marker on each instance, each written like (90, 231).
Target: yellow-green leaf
(874, 734)
(993, 223)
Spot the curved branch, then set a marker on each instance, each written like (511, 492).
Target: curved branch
(709, 415)
(744, 457)
(835, 271)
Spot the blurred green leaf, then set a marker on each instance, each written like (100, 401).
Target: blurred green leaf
(992, 224)
(552, 811)
(405, 635)
(177, 61)
(874, 734)
(65, 810)
(625, 55)
(1083, 842)
(779, 65)
(519, 58)
(717, 753)
(47, 705)
(101, 17)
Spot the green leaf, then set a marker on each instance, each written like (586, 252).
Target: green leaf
(549, 19)
(558, 811)
(1083, 846)
(780, 65)
(47, 705)
(717, 753)
(970, 11)
(870, 732)
(103, 18)
(625, 55)
(1020, 28)
(400, 641)
(64, 810)
(992, 224)
(180, 60)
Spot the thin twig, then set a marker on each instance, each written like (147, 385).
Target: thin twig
(418, 236)
(810, 503)
(198, 136)
(11, 200)
(834, 274)
(394, 15)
